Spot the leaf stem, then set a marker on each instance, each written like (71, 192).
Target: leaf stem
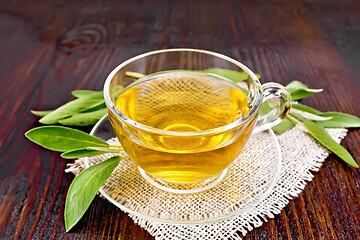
(134, 75)
(115, 146)
(293, 118)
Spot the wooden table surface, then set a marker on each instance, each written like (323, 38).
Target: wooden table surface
(49, 48)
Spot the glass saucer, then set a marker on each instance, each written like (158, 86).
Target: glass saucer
(250, 179)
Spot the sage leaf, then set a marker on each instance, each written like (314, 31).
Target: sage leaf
(232, 75)
(303, 93)
(83, 190)
(306, 115)
(340, 120)
(337, 120)
(304, 108)
(84, 119)
(83, 93)
(265, 108)
(98, 107)
(40, 113)
(295, 85)
(322, 136)
(63, 139)
(75, 106)
(299, 90)
(284, 125)
(84, 152)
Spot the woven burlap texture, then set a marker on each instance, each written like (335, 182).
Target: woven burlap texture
(301, 154)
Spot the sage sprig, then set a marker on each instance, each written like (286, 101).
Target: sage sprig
(315, 121)
(83, 189)
(86, 110)
(76, 144)
(72, 142)
(79, 105)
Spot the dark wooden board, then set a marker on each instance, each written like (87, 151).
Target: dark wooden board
(49, 48)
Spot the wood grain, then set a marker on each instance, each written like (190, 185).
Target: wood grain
(49, 48)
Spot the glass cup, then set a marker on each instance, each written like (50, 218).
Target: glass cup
(184, 115)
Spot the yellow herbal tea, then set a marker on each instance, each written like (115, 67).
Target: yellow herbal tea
(183, 102)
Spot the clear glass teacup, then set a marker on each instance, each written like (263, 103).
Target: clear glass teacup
(184, 115)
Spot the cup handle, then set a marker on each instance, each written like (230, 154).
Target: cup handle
(278, 99)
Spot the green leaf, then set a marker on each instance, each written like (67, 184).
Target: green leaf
(303, 93)
(63, 139)
(299, 90)
(320, 134)
(285, 125)
(265, 108)
(75, 106)
(83, 93)
(98, 107)
(83, 190)
(340, 120)
(304, 108)
(84, 119)
(295, 85)
(306, 115)
(41, 113)
(84, 152)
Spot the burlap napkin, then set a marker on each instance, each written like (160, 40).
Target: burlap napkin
(301, 154)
